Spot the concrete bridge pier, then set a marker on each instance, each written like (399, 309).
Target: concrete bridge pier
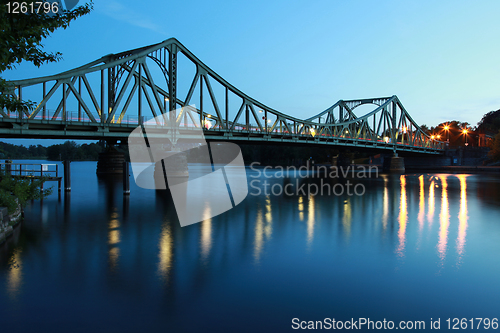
(175, 166)
(341, 161)
(397, 164)
(110, 161)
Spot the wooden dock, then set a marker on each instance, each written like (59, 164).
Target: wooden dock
(33, 171)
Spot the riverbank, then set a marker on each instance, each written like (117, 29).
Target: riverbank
(8, 223)
(456, 168)
(410, 169)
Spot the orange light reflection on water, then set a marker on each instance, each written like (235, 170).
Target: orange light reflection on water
(432, 200)
(403, 218)
(462, 217)
(421, 204)
(310, 220)
(444, 219)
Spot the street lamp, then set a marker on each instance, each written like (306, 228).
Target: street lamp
(447, 129)
(464, 131)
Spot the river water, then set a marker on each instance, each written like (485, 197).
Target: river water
(417, 247)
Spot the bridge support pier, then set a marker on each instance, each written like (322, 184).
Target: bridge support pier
(126, 179)
(397, 164)
(110, 161)
(67, 176)
(175, 166)
(341, 161)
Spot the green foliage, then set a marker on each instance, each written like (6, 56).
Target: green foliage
(425, 129)
(71, 151)
(21, 38)
(454, 132)
(10, 151)
(494, 153)
(8, 200)
(23, 189)
(490, 123)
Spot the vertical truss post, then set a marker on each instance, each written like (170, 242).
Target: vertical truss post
(139, 98)
(341, 113)
(393, 124)
(103, 119)
(201, 101)
(44, 112)
(111, 91)
(64, 102)
(265, 120)
(374, 128)
(247, 117)
(80, 93)
(227, 108)
(172, 77)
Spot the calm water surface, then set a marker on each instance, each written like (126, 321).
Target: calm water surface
(413, 247)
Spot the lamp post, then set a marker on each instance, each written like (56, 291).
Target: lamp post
(464, 131)
(447, 129)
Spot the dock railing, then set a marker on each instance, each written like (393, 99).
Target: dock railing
(49, 171)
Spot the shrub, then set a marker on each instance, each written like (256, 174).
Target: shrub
(22, 189)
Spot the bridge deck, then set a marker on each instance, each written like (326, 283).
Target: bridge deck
(51, 129)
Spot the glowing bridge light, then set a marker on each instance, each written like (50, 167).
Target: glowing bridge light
(313, 132)
(386, 139)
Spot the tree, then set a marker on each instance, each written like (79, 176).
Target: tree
(425, 129)
(451, 129)
(17, 191)
(490, 123)
(21, 38)
(494, 153)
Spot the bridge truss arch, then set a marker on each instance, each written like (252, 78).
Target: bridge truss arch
(111, 96)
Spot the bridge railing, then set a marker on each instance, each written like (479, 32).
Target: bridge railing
(69, 118)
(402, 141)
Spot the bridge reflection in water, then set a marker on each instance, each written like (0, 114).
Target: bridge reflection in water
(269, 252)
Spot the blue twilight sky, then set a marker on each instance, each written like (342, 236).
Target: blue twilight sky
(440, 57)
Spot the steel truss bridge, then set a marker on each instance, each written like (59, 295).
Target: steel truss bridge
(109, 97)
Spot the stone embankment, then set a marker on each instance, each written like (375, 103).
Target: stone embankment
(8, 222)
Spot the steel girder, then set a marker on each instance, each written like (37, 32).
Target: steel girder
(112, 95)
